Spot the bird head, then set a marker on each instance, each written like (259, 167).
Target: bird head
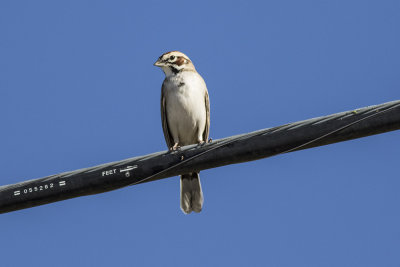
(174, 62)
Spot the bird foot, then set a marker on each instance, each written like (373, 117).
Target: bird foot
(175, 147)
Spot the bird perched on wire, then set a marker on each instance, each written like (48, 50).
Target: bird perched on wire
(185, 115)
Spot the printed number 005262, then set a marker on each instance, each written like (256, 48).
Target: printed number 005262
(38, 188)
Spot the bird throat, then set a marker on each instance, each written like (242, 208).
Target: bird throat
(174, 70)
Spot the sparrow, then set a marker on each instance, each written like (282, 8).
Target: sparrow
(185, 116)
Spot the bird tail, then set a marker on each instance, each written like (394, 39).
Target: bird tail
(191, 193)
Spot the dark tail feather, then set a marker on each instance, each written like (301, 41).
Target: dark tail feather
(191, 193)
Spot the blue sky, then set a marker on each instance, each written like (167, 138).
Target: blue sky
(78, 88)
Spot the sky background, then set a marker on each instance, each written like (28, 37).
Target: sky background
(78, 88)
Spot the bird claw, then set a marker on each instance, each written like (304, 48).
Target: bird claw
(200, 143)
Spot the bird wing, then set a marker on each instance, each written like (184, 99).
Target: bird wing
(164, 120)
(207, 128)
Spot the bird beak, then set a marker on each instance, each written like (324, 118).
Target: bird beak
(159, 63)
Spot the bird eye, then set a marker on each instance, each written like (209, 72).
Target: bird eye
(171, 57)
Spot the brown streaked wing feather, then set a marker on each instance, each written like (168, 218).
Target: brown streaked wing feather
(164, 120)
(207, 128)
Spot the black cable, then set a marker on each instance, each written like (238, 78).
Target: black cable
(240, 138)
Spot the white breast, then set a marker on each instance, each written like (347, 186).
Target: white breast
(185, 105)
